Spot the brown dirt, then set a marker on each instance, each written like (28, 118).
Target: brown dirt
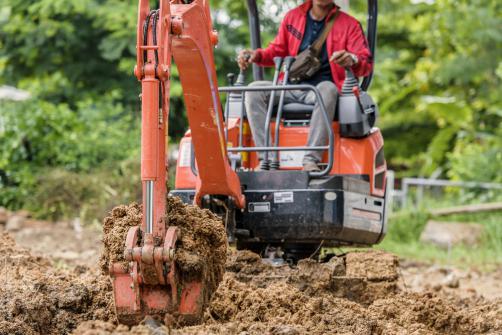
(66, 244)
(355, 294)
(200, 253)
(360, 293)
(37, 298)
(115, 228)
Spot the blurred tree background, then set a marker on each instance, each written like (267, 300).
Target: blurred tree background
(72, 149)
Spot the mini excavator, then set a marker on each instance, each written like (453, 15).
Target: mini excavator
(280, 209)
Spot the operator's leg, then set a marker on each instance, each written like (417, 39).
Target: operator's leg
(256, 110)
(257, 106)
(318, 134)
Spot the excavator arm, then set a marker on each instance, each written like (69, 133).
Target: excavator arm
(181, 30)
(192, 47)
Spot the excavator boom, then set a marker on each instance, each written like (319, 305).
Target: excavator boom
(150, 284)
(184, 32)
(192, 49)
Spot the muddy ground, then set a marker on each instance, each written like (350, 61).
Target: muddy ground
(50, 283)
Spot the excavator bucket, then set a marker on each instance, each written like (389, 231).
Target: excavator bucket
(149, 284)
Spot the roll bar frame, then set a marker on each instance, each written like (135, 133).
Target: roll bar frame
(326, 121)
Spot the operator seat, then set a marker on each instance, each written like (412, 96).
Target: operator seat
(297, 111)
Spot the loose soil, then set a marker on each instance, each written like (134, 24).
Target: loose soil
(358, 293)
(37, 298)
(200, 251)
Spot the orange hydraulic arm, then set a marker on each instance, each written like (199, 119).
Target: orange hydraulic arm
(149, 282)
(181, 30)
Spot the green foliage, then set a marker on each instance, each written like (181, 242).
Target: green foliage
(63, 51)
(406, 227)
(38, 135)
(59, 193)
(437, 70)
(403, 238)
(478, 159)
(76, 60)
(437, 78)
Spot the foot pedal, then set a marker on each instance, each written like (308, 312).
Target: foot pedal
(275, 165)
(264, 165)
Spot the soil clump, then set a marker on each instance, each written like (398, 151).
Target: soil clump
(202, 244)
(115, 228)
(201, 253)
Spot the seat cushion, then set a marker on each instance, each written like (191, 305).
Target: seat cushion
(297, 111)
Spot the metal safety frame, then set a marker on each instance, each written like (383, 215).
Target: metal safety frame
(283, 88)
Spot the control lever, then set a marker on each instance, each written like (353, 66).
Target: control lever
(265, 164)
(241, 79)
(351, 87)
(230, 79)
(238, 96)
(288, 61)
(350, 82)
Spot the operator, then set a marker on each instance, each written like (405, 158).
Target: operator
(345, 46)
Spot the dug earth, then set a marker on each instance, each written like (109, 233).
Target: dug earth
(354, 293)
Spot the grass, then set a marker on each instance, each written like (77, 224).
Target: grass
(63, 195)
(403, 239)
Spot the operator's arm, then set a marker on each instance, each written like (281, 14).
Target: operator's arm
(357, 45)
(277, 48)
(356, 54)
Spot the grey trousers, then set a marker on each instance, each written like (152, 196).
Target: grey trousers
(257, 105)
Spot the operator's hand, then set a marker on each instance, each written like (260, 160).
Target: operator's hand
(245, 58)
(343, 58)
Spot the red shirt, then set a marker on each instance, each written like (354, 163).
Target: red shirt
(347, 34)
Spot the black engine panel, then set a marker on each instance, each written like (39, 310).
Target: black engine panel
(287, 208)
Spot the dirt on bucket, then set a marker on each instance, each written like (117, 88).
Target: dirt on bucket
(200, 253)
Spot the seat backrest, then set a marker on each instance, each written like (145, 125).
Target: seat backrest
(297, 111)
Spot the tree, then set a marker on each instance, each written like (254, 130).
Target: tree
(437, 77)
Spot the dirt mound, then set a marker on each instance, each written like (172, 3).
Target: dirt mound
(358, 293)
(359, 276)
(203, 248)
(36, 298)
(352, 294)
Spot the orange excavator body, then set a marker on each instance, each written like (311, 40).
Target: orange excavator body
(351, 156)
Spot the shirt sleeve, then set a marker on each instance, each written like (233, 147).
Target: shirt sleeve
(357, 45)
(277, 48)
